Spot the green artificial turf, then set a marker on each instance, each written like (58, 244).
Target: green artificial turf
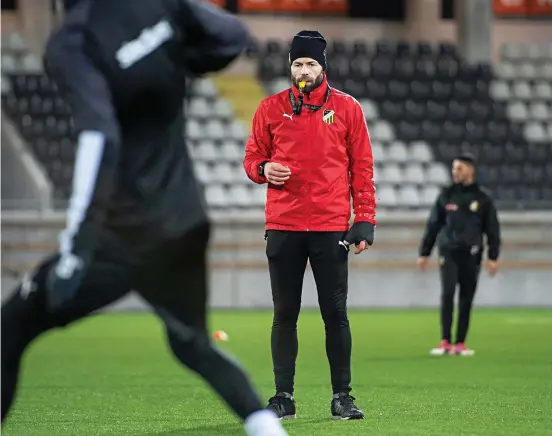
(113, 375)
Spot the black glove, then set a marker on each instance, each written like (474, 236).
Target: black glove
(360, 231)
(65, 277)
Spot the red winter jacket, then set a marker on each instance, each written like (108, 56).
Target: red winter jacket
(330, 161)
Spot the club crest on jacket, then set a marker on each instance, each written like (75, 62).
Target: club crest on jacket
(328, 116)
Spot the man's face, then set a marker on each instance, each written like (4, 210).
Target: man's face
(462, 172)
(306, 70)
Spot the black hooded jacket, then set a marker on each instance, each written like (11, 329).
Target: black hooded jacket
(122, 66)
(460, 217)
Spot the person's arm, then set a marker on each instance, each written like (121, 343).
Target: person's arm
(363, 190)
(213, 37)
(361, 168)
(257, 148)
(87, 92)
(491, 228)
(434, 224)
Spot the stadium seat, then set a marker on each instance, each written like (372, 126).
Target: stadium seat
(420, 152)
(231, 151)
(391, 174)
(407, 196)
(414, 174)
(386, 196)
(397, 152)
(206, 150)
(216, 196)
(428, 195)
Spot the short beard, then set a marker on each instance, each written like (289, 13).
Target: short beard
(309, 88)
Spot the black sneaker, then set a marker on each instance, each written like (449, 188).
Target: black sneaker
(343, 407)
(283, 405)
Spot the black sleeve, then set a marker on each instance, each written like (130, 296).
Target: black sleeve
(491, 229)
(433, 227)
(214, 37)
(87, 92)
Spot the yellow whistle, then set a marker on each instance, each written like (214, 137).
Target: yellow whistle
(302, 85)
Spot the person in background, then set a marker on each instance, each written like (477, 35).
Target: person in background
(463, 212)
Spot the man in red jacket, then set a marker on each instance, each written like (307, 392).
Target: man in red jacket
(311, 145)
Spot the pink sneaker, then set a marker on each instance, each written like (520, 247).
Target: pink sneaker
(444, 348)
(461, 350)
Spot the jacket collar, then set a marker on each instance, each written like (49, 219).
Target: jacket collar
(471, 187)
(316, 97)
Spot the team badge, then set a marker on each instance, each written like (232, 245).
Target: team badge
(328, 116)
(474, 206)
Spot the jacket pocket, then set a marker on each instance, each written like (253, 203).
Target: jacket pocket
(273, 193)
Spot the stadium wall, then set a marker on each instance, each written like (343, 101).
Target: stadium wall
(383, 277)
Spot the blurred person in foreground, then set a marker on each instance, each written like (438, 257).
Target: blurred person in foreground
(136, 217)
(310, 144)
(463, 212)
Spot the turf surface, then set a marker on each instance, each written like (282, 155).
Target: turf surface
(112, 375)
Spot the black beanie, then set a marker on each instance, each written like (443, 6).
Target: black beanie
(309, 44)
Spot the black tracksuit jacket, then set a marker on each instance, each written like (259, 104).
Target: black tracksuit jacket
(459, 218)
(122, 66)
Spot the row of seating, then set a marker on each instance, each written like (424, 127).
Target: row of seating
(253, 197)
(361, 67)
(501, 90)
(524, 111)
(415, 173)
(510, 52)
(216, 129)
(382, 89)
(523, 198)
(485, 152)
(528, 174)
(408, 131)
(219, 195)
(36, 105)
(395, 151)
(203, 108)
(389, 87)
(399, 90)
(14, 63)
(361, 47)
(25, 84)
(418, 152)
(526, 70)
(399, 152)
(523, 52)
(49, 127)
(461, 112)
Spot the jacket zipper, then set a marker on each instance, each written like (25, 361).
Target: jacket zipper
(309, 191)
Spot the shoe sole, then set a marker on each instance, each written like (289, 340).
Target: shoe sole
(350, 418)
(288, 417)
